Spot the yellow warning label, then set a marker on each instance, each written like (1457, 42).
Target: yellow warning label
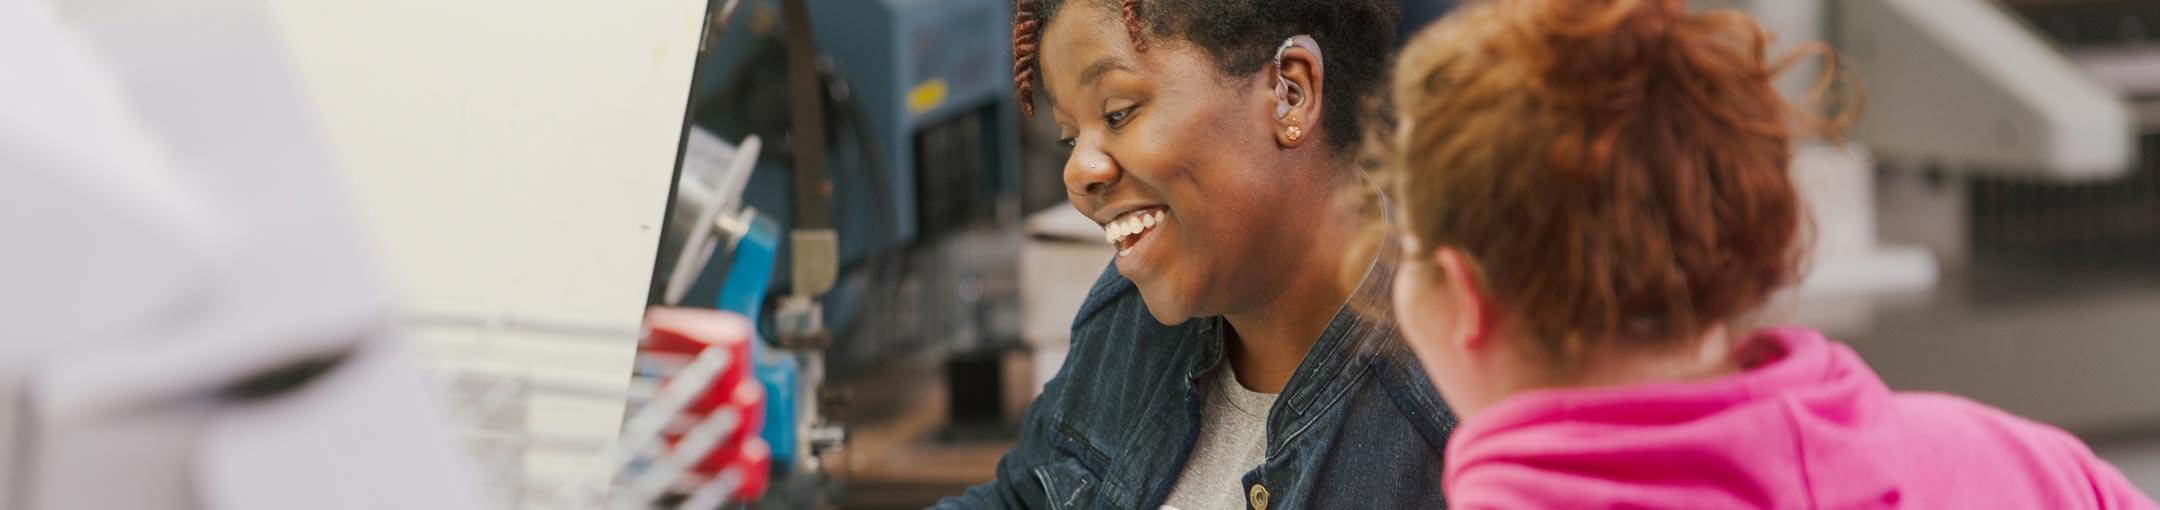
(926, 95)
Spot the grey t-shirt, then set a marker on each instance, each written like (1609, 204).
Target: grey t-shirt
(1233, 440)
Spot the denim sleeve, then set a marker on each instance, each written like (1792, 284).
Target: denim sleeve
(1016, 485)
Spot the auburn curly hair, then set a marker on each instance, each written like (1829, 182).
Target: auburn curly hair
(1241, 36)
(1616, 170)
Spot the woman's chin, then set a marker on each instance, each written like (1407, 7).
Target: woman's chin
(1166, 311)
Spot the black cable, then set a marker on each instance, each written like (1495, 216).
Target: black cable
(887, 259)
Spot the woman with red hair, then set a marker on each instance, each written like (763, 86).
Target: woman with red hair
(1596, 200)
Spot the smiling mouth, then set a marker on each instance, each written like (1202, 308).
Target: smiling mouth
(1129, 228)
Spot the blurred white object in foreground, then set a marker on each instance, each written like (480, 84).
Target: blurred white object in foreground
(188, 315)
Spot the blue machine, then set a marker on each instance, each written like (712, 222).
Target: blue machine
(928, 82)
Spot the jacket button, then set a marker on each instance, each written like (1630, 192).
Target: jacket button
(1259, 497)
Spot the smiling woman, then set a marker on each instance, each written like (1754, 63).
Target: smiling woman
(1221, 362)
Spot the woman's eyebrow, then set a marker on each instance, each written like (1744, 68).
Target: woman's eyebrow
(1092, 73)
(1104, 65)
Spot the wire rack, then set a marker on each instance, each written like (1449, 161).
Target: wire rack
(490, 400)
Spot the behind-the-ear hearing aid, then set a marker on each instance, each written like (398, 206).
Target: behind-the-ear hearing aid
(1283, 87)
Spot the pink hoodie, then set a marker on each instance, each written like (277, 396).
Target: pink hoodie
(1811, 428)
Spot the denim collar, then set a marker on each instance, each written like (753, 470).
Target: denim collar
(1361, 329)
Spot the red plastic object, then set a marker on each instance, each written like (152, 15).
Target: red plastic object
(689, 332)
(748, 405)
(756, 465)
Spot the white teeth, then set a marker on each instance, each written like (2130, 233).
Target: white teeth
(1118, 230)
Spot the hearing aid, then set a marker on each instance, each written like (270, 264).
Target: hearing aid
(1283, 87)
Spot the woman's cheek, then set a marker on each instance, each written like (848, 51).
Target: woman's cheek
(1419, 320)
(1409, 318)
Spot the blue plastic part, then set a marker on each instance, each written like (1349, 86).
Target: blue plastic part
(747, 280)
(750, 270)
(779, 373)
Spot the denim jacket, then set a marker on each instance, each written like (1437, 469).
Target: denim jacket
(1357, 426)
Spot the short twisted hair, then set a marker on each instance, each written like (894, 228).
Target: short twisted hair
(1241, 36)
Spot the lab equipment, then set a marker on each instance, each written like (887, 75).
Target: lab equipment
(1965, 85)
(2014, 142)
(883, 229)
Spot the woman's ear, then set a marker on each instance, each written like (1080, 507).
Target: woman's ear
(1299, 73)
(1473, 306)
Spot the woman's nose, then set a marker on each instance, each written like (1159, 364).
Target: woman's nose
(1090, 172)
